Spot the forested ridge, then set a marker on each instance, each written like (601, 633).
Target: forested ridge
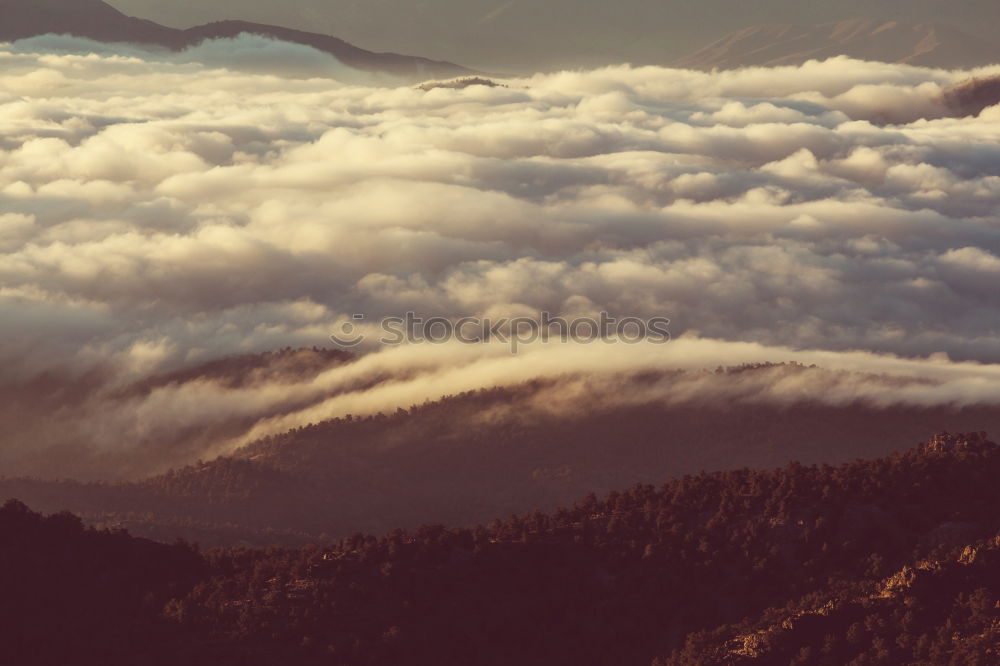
(888, 561)
(467, 458)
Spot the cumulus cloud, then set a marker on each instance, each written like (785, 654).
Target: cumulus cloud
(160, 210)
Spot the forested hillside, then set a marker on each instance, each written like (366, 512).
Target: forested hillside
(468, 458)
(888, 561)
(73, 595)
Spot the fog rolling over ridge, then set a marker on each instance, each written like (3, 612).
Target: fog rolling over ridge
(97, 20)
(165, 210)
(475, 454)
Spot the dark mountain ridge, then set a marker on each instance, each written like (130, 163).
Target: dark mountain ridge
(95, 19)
(887, 561)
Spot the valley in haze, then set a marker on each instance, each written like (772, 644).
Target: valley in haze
(499, 333)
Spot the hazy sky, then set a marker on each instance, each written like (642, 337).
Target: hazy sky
(532, 34)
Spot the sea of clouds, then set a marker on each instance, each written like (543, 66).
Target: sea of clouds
(161, 210)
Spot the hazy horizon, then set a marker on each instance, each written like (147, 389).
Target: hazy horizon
(519, 36)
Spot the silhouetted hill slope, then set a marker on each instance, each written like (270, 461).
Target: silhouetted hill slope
(928, 44)
(471, 457)
(72, 594)
(886, 561)
(99, 21)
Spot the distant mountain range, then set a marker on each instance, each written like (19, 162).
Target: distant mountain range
(932, 44)
(927, 44)
(94, 19)
(526, 36)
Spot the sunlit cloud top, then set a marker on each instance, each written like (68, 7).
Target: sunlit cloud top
(163, 210)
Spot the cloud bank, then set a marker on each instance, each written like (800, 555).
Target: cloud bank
(157, 212)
